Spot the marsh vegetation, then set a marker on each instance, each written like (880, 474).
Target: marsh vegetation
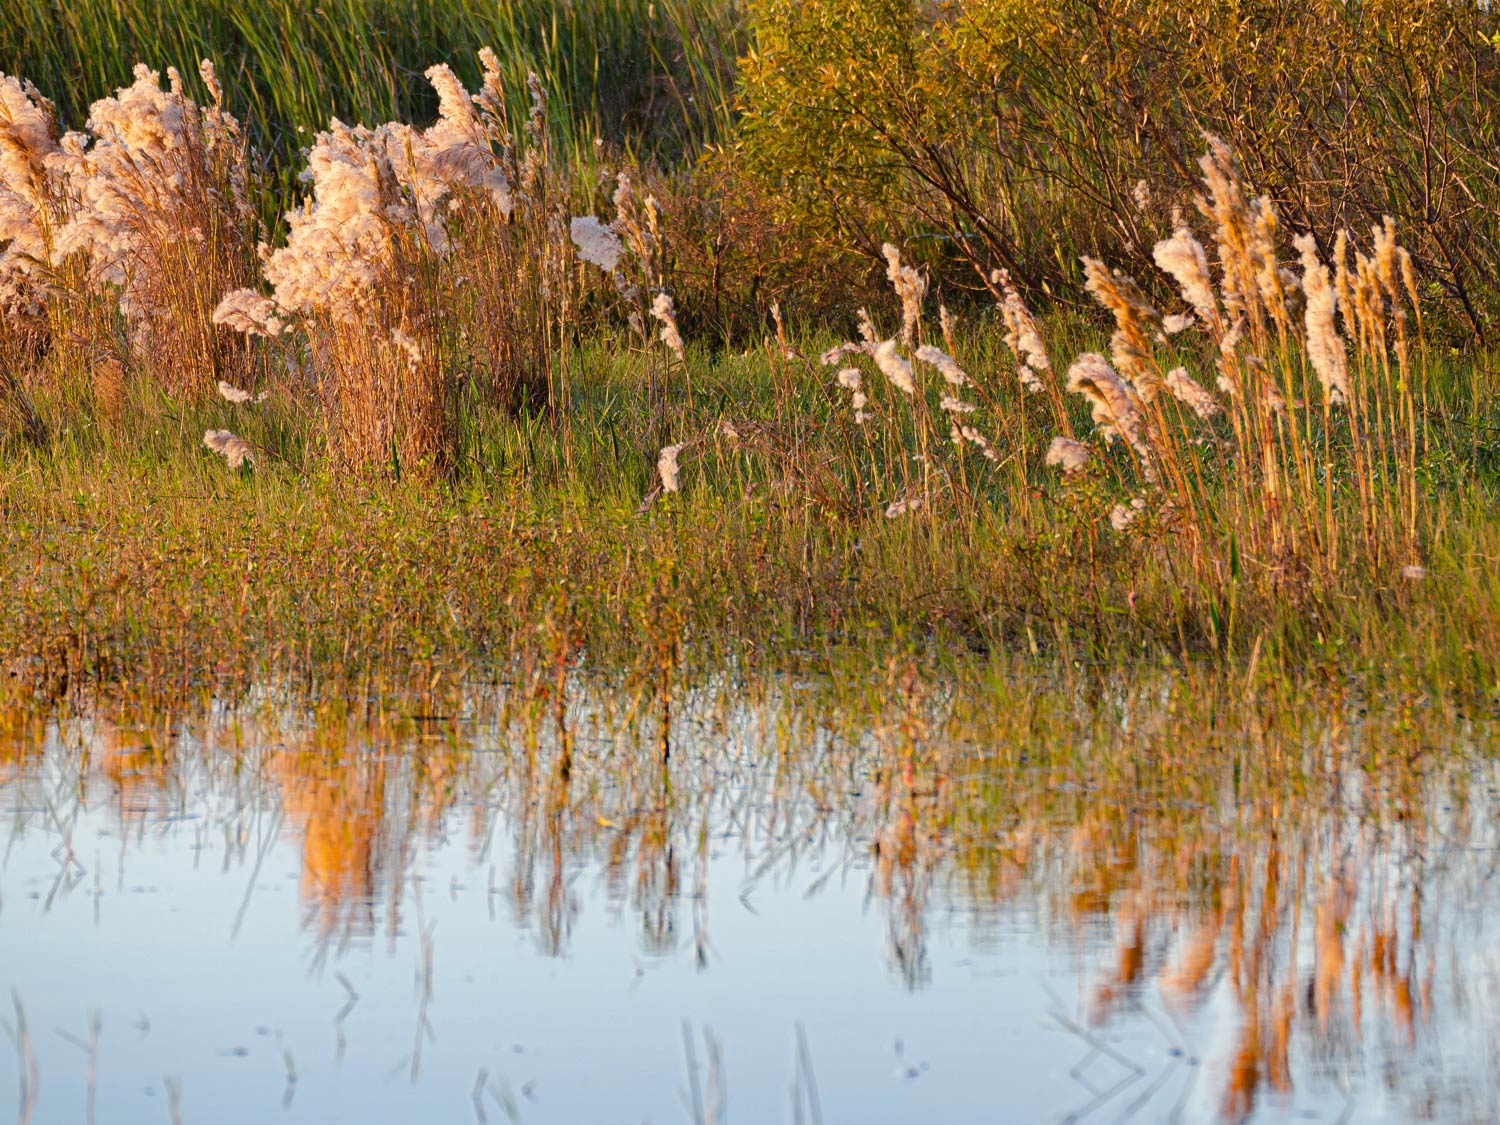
(902, 447)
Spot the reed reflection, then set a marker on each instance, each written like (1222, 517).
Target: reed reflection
(1288, 943)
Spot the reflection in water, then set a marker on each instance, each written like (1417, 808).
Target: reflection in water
(338, 807)
(1282, 946)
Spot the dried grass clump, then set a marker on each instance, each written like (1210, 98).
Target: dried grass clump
(501, 203)
(28, 139)
(156, 199)
(350, 277)
(1302, 461)
(423, 263)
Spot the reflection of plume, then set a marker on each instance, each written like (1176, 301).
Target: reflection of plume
(903, 866)
(1330, 916)
(18, 757)
(642, 869)
(137, 763)
(337, 806)
(356, 815)
(1183, 978)
(1130, 958)
(544, 831)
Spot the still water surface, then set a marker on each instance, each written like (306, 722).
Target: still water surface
(220, 924)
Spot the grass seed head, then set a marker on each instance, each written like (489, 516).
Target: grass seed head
(596, 242)
(910, 287)
(946, 365)
(1325, 347)
(236, 451)
(1068, 455)
(664, 313)
(666, 467)
(895, 367)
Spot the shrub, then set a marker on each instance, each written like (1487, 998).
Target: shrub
(1023, 135)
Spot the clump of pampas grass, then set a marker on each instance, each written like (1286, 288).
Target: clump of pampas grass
(151, 203)
(28, 140)
(423, 264)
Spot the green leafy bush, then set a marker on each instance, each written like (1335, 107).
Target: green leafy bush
(1023, 133)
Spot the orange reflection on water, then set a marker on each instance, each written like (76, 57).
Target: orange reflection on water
(1286, 939)
(336, 805)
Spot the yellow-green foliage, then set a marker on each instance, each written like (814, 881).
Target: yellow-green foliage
(811, 64)
(1019, 131)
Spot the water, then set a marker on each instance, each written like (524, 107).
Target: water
(271, 923)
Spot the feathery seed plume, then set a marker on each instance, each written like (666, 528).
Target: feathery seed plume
(1183, 258)
(1409, 277)
(1325, 347)
(454, 153)
(1068, 455)
(340, 243)
(979, 441)
(1187, 390)
(947, 366)
(236, 451)
(909, 285)
(663, 311)
(1136, 321)
(1388, 259)
(237, 396)
(247, 311)
(597, 242)
(666, 466)
(1111, 400)
(894, 367)
(850, 379)
(1021, 335)
(408, 345)
(839, 351)
(1269, 276)
(952, 405)
(28, 140)
(1229, 356)
(1121, 516)
(1233, 222)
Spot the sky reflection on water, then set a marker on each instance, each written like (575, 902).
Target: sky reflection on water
(435, 928)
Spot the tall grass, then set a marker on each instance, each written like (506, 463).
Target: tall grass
(645, 74)
(1229, 470)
